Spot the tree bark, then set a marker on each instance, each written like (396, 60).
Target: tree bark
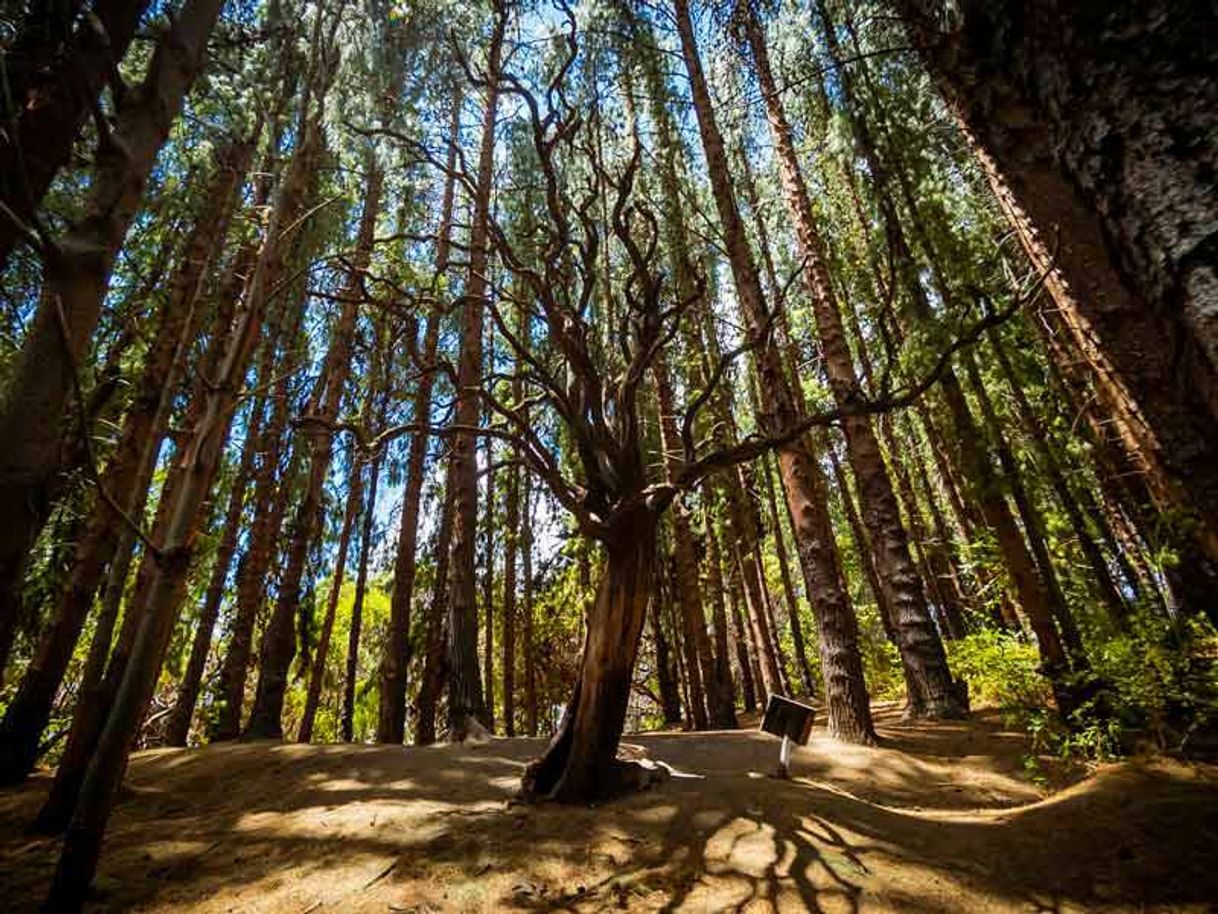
(355, 499)
(1101, 145)
(529, 645)
(51, 99)
(391, 721)
(76, 275)
(432, 681)
(846, 696)
(129, 472)
(933, 692)
(465, 699)
(357, 607)
(279, 638)
(178, 726)
(82, 843)
(580, 763)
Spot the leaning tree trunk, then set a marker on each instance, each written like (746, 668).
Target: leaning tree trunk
(130, 470)
(50, 104)
(580, 763)
(82, 843)
(178, 726)
(845, 691)
(76, 277)
(1078, 113)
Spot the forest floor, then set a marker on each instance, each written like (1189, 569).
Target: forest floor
(940, 818)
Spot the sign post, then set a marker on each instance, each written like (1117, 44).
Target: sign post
(790, 720)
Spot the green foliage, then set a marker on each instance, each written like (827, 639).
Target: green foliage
(1001, 670)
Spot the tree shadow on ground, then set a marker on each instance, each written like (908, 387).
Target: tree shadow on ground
(271, 827)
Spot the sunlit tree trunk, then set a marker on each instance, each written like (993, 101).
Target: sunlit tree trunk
(580, 763)
(177, 727)
(129, 472)
(279, 637)
(845, 692)
(465, 699)
(347, 722)
(528, 637)
(432, 681)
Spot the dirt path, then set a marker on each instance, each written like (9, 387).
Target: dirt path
(937, 820)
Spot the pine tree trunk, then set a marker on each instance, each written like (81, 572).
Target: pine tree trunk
(750, 673)
(465, 699)
(355, 499)
(178, 726)
(1105, 585)
(279, 638)
(529, 645)
(933, 692)
(391, 721)
(267, 508)
(1079, 128)
(82, 842)
(788, 583)
(434, 672)
(488, 591)
(845, 691)
(666, 674)
(76, 277)
(347, 724)
(128, 474)
(1033, 524)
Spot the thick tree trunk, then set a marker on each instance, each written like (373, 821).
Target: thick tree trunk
(580, 763)
(51, 99)
(846, 695)
(76, 277)
(465, 699)
(1101, 142)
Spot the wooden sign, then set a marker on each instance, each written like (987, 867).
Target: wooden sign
(784, 717)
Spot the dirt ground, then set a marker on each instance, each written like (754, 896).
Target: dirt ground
(938, 819)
